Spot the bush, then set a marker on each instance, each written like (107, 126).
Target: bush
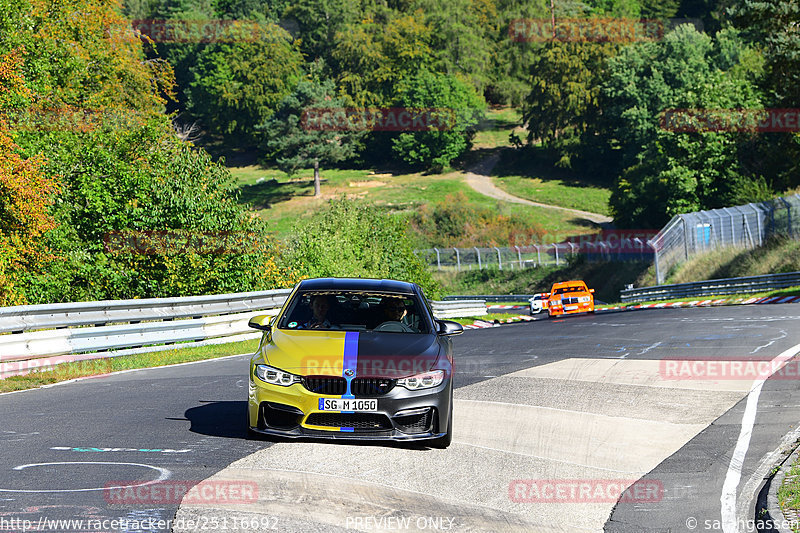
(141, 177)
(348, 238)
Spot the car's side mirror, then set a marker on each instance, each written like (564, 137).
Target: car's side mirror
(262, 322)
(448, 327)
(591, 290)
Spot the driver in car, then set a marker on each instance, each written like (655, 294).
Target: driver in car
(393, 316)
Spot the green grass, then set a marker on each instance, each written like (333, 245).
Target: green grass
(489, 317)
(779, 254)
(531, 173)
(563, 193)
(789, 492)
(96, 367)
(494, 130)
(282, 202)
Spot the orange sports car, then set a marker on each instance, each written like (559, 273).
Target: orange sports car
(567, 297)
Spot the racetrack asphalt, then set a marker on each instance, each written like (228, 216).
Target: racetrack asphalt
(583, 398)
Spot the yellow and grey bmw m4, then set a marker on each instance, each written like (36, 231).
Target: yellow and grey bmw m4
(354, 359)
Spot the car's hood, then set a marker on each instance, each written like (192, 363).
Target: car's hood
(367, 354)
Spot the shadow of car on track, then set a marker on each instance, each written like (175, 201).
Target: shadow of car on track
(227, 419)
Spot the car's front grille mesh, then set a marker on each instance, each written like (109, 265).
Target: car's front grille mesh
(325, 385)
(371, 386)
(357, 421)
(359, 387)
(419, 423)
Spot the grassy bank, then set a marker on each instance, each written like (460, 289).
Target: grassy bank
(606, 278)
(779, 254)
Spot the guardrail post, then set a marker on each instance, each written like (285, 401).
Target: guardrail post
(438, 259)
(788, 215)
(685, 239)
(733, 233)
(659, 279)
(499, 259)
(538, 255)
(479, 257)
(458, 260)
(758, 223)
(519, 256)
(556, 248)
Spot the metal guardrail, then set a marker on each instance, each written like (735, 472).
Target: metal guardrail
(40, 336)
(493, 297)
(717, 287)
(459, 308)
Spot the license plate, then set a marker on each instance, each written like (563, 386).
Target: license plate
(570, 307)
(348, 404)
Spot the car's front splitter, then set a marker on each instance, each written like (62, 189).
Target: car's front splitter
(305, 433)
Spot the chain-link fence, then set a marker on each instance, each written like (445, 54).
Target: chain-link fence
(745, 226)
(532, 256)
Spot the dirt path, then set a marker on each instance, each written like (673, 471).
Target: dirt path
(478, 178)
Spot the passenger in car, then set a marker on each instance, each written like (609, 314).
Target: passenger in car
(320, 305)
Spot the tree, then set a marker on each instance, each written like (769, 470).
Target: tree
(667, 170)
(300, 135)
(372, 56)
(26, 194)
(462, 37)
(240, 81)
(456, 108)
(318, 21)
(565, 88)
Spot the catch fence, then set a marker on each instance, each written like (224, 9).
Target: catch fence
(745, 226)
(535, 255)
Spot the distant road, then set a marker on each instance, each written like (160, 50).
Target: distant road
(478, 178)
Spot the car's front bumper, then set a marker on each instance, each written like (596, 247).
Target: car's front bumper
(291, 412)
(584, 307)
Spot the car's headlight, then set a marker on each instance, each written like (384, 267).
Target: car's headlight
(276, 377)
(584, 299)
(426, 380)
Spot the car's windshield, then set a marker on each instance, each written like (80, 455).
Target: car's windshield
(562, 290)
(355, 311)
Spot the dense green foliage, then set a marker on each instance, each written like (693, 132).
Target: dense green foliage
(454, 221)
(455, 109)
(86, 151)
(347, 238)
(239, 82)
